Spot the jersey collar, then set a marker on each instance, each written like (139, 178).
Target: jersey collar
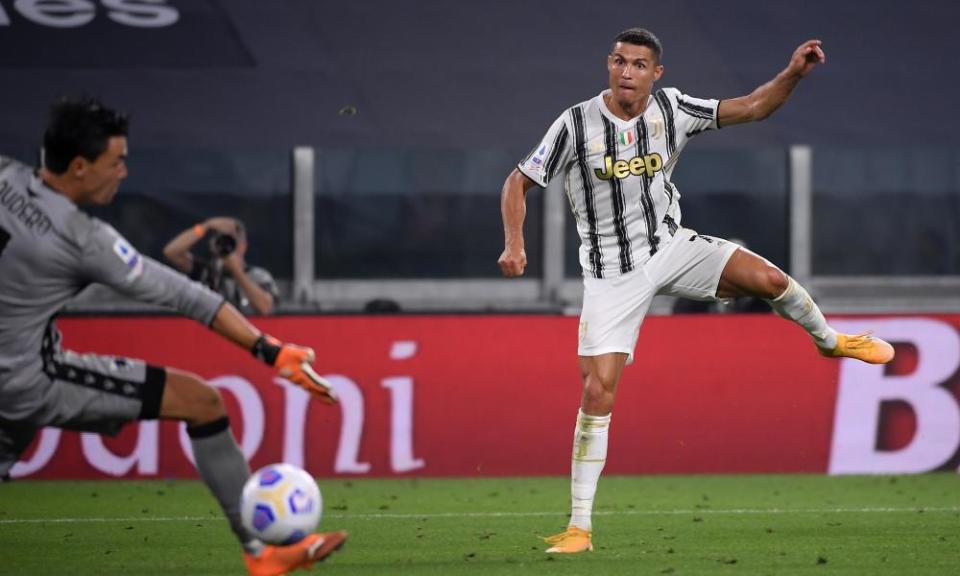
(37, 187)
(613, 117)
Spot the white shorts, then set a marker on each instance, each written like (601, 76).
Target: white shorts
(689, 266)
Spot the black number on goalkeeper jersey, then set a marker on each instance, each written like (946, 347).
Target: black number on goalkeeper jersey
(4, 238)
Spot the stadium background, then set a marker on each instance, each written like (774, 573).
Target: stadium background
(414, 114)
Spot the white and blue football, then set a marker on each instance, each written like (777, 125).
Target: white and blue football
(281, 504)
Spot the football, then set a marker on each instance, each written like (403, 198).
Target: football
(281, 504)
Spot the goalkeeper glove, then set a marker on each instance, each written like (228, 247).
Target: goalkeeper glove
(293, 363)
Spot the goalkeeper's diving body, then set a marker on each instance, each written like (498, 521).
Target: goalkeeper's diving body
(49, 251)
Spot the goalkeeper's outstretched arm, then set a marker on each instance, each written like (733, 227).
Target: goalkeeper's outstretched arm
(290, 361)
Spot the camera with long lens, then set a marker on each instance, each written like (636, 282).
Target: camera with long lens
(224, 245)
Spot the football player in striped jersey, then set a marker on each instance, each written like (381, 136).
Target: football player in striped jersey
(616, 153)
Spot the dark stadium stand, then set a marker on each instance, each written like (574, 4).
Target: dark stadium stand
(418, 110)
(483, 74)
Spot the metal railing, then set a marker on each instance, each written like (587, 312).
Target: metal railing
(556, 289)
(554, 292)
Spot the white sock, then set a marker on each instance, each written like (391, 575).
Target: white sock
(797, 305)
(589, 456)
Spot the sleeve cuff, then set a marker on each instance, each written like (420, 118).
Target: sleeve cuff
(538, 179)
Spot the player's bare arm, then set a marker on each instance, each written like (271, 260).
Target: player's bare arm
(513, 207)
(232, 325)
(763, 101)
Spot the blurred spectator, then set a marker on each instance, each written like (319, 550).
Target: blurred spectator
(250, 288)
(740, 305)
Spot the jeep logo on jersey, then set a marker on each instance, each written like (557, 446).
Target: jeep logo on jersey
(649, 165)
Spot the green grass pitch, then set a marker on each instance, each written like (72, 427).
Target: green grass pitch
(792, 524)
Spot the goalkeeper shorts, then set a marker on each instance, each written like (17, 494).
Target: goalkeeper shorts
(82, 392)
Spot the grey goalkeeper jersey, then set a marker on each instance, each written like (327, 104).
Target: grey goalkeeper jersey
(49, 251)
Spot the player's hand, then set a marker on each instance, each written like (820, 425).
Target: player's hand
(294, 363)
(512, 261)
(806, 57)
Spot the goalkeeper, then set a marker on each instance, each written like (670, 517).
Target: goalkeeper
(49, 251)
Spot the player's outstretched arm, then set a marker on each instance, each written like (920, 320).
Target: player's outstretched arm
(290, 361)
(513, 208)
(763, 101)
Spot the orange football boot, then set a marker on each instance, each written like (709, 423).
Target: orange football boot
(570, 541)
(865, 347)
(279, 560)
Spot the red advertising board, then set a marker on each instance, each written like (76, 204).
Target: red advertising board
(498, 395)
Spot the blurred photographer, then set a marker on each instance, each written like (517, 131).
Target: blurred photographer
(250, 288)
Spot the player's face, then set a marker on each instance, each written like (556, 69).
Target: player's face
(101, 178)
(633, 70)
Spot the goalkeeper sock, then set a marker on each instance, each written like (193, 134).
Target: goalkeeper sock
(797, 305)
(224, 470)
(589, 456)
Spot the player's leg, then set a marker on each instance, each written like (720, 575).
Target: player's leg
(224, 469)
(610, 322)
(219, 460)
(96, 393)
(747, 274)
(600, 375)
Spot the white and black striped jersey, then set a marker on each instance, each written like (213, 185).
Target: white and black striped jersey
(617, 174)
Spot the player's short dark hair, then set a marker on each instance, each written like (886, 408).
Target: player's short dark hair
(79, 127)
(641, 37)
